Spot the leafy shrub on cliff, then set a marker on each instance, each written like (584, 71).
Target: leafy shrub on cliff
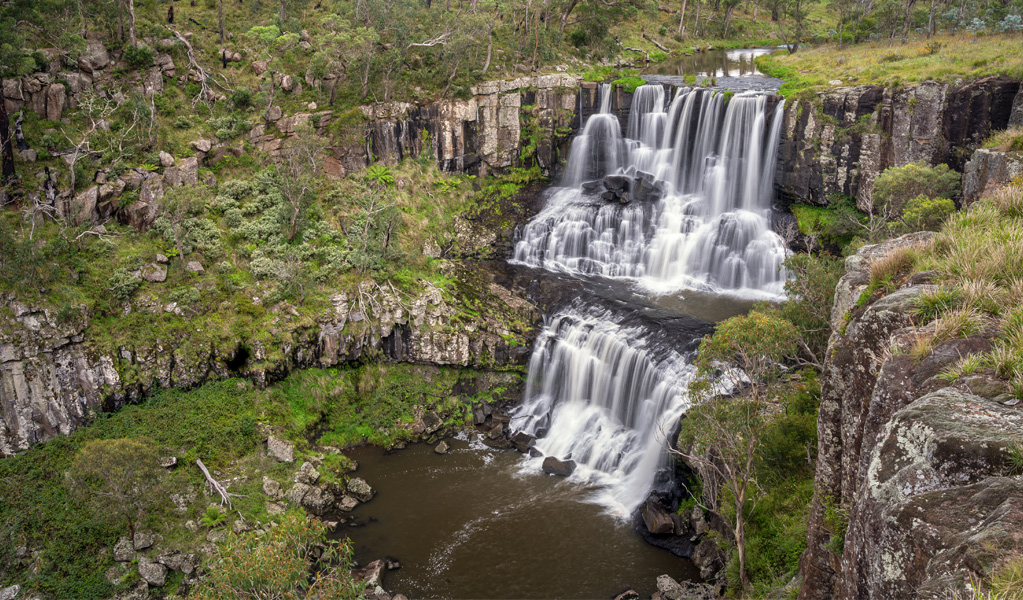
(811, 291)
(896, 186)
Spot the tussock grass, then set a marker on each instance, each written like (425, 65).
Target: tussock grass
(1006, 140)
(897, 262)
(957, 323)
(959, 56)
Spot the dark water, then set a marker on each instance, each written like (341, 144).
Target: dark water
(471, 524)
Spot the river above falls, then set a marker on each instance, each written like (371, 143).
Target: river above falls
(474, 524)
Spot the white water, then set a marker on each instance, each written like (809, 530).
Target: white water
(607, 396)
(714, 162)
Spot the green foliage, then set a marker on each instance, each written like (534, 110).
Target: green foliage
(138, 57)
(119, 479)
(922, 212)
(379, 175)
(835, 224)
(756, 342)
(629, 82)
(836, 520)
(278, 565)
(896, 186)
(811, 295)
(213, 517)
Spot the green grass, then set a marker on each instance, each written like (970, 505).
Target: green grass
(219, 423)
(962, 56)
(1006, 140)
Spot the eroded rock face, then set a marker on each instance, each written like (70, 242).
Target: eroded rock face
(858, 132)
(989, 169)
(918, 462)
(53, 379)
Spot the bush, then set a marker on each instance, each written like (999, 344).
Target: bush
(894, 188)
(926, 213)
(138, 57)
(755, 341)
(241, 98)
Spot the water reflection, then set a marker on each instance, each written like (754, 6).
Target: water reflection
(713, 63)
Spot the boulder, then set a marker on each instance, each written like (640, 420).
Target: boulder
(95, 57)
(83, 210)
(318, 500)
(669, 589)
(432, 422)
(259, 67)
(561, 468)
(523, 441)
(202, 145)
(124, 550)
(282, 450)
(29, 156)
(144, 539)
(372, 574)
(658, 521)
(287, 83)
(275, 508)
(189, 168)
(297, 493)
(195, 266)
(55, 101)
(307, 474)
(163, 260)
(271, 488)
(151, 572)
(274, 114)
(166, 160)
(442, 448)
(154, 273)
(216, 536)
(239, 527)
(358, 487)
(347, 503)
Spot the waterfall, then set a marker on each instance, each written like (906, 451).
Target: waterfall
(605, 394)
(681, 201)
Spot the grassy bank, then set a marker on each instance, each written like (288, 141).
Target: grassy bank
(942, 58)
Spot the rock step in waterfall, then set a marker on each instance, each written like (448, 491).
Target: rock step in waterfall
(682, 200)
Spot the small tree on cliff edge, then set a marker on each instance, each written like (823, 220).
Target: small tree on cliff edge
(721, 435)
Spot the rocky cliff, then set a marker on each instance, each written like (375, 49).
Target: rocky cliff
(838, 142)
(54, 375)
(916, 463)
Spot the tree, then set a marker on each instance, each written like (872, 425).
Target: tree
(298, 167)
(340, 46)
(897, 185)
(277, 565)
(721, 434)
(120, 479)
(798, 12)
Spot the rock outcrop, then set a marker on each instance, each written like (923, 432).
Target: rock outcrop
(916, 462)
(54, 377)
(839, 142)
(989, 169)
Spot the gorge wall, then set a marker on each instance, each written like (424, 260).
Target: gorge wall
(917, 463)
(841, 140)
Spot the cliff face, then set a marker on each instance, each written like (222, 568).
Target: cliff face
(839, 142)
(54, 377)
(918, 464)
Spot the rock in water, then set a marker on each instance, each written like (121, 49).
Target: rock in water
(360, 489)
(523, 441)
(442, 448)
(561, 468)
(657, 520)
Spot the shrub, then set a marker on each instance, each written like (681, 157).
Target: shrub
(897, 185)
(241, 98)
(921, 212)
(138, 57)
(755, 341)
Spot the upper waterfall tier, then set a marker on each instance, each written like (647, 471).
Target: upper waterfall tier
(682, 200)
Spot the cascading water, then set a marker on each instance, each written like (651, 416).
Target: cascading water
(681, 201)
(693, 208)
(605, 395)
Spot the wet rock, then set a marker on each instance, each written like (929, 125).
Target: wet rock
(124, 550)
(358, 487)
(347, 503)
(154, 273)
(372, 574)
(152, 573)
(658, 521)
(501, 443)
(496, 431)
(281, 450)
(535, 453)
(391, 564)
(432, 422)
(523, 441)
(441, 448)
(561, 468)
(628, 595)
